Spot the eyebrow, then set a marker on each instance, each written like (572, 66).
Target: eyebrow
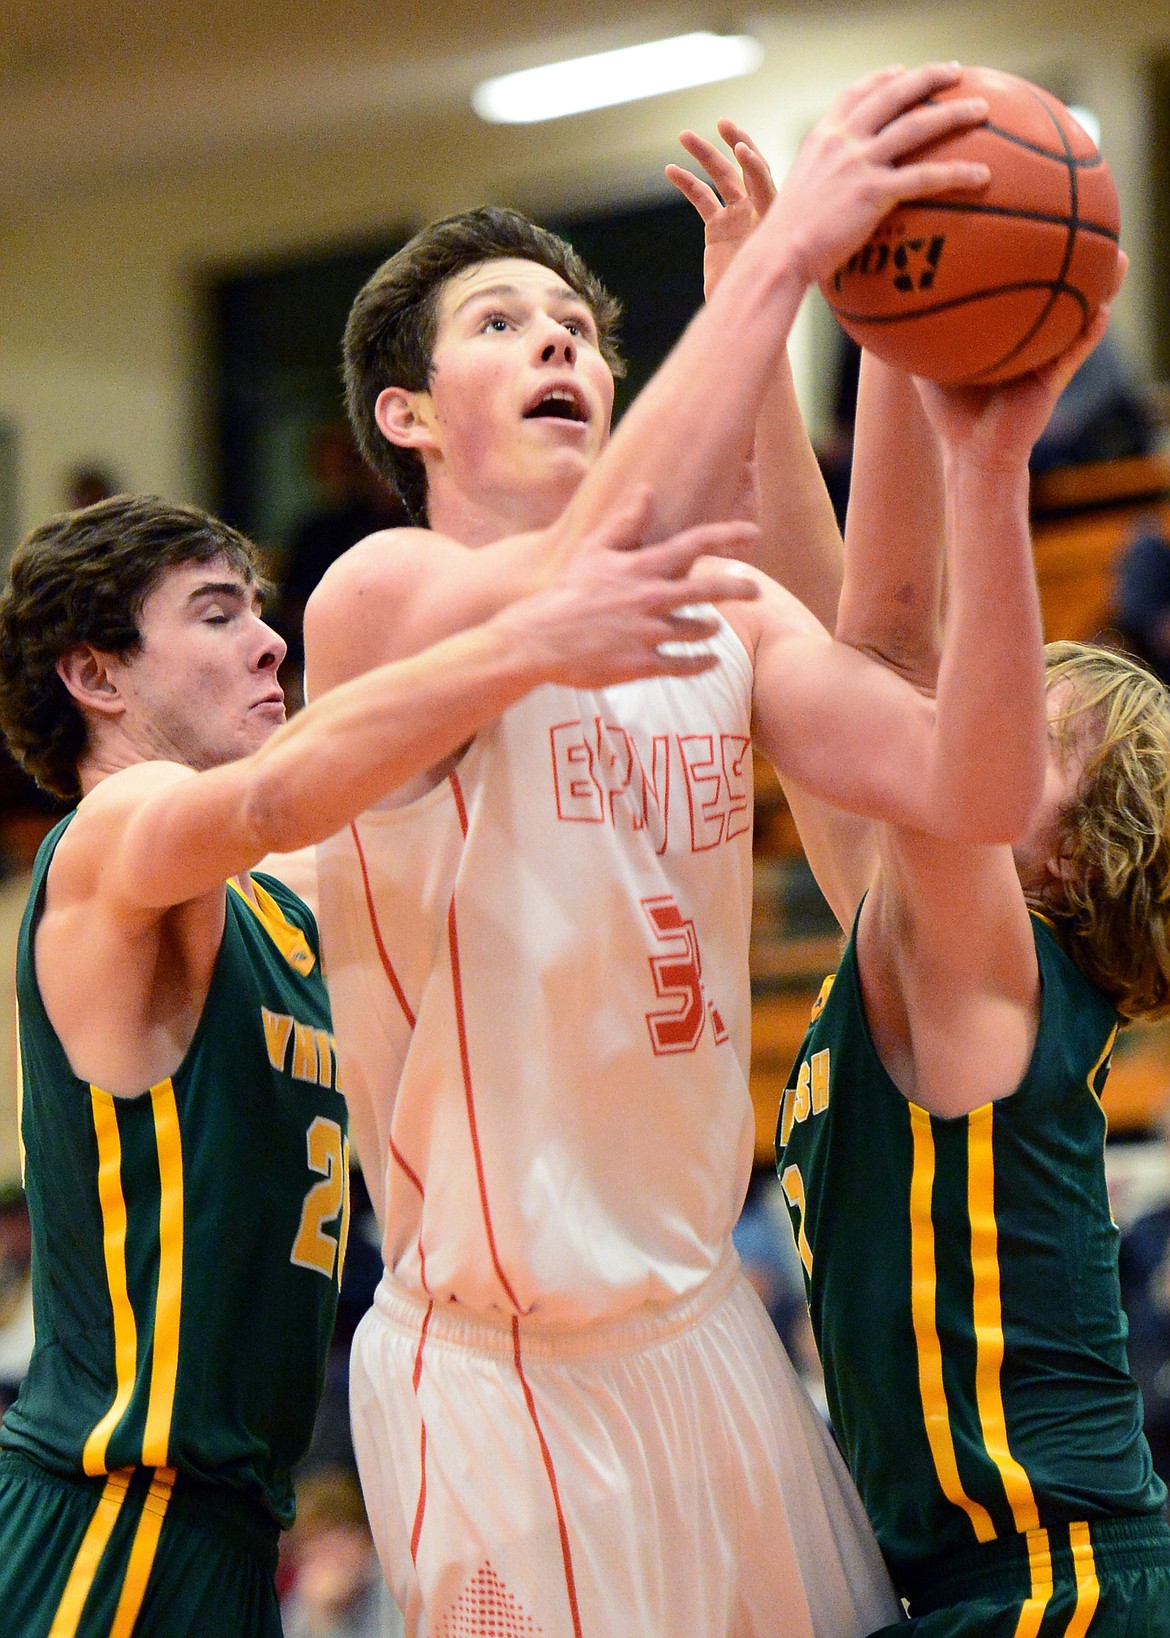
(222, 588)
(492, 290)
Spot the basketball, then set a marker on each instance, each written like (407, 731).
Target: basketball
(982, 286)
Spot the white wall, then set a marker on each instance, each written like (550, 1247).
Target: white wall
(101, 350)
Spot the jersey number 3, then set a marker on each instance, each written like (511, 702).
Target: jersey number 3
(678, 979)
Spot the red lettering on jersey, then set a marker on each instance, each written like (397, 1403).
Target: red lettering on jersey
(704, 790)
(717, 790)
(602, 774)
(578, 794)
(736, 750)
(677, 977)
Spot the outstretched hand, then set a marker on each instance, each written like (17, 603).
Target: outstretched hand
(605, 614)
(740, 190)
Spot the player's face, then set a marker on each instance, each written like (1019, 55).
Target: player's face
(202, 689)
(520, 397)
(1070, 743)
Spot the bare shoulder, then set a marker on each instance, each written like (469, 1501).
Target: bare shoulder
(774, 614)
(360, 613)
(81, 862)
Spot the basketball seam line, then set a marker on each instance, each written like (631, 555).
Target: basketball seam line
(1073, 223)
(967, 207)
(1054, 287)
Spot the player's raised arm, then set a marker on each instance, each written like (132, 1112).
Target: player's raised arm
(968, 762)
(156, 835)
(485, 478)
(851, 169)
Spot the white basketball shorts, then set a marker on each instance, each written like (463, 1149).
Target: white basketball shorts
(659, 1476)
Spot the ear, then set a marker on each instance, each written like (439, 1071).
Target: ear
(1058, 868)
(90, 676)
(406, 418)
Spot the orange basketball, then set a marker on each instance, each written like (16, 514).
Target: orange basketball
(983, 286)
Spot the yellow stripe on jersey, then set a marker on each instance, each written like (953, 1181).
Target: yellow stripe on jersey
(164, 1368)
(1095, 1071)
(150, 1523)
(1040, 1570)
(89, 1557)
(289, 940)
(1088, 1587)
(113, 1209)
(1090, 1078)
(923, 1286)
(988, 1318)
(343, 1237)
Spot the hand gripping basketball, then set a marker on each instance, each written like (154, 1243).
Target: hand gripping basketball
(967, 288)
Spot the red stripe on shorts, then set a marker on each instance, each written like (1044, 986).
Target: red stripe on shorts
(422, 1442)
(562, 1527)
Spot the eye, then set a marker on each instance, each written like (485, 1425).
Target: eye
(580, 324)
(496, 322)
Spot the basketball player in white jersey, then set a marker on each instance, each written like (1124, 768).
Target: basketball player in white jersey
(571, 1413)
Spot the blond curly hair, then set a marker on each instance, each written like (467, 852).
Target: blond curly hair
(1112, 910)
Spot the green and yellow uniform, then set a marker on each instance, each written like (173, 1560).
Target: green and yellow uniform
(962, 1283)
(187, 1250)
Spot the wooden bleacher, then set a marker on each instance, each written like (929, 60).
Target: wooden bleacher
(1083, 518)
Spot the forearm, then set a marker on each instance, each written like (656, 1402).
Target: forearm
(991, 732)
(690, 427)
(800, 543)
(890, 599)
(360, 741)
(343, 753)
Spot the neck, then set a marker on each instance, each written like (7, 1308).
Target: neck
(480, 520)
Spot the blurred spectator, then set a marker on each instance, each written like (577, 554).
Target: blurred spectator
(1101, 415)
(16, 1311)
(1142, 596)
(351, 502)
(88, 483)
(333, 1586)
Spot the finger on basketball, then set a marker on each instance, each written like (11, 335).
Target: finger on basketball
(894, 96)
(985, 272)
(928, 122)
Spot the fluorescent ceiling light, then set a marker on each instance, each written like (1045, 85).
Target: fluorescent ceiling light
(610, 77)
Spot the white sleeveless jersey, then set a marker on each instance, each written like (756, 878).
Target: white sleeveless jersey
(539, 976)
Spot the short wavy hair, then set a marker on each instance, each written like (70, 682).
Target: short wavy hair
(1112, 912)
(390, 333)
(83, 577)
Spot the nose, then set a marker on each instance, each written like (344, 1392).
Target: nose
(273, 647)
(560, 347)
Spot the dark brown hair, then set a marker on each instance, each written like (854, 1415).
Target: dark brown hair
(390, 333)
(82, 577)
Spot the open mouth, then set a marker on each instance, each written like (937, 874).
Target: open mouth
(558, 404)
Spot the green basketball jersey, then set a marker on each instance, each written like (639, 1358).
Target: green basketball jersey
(962, 1281)
(187, 1242)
